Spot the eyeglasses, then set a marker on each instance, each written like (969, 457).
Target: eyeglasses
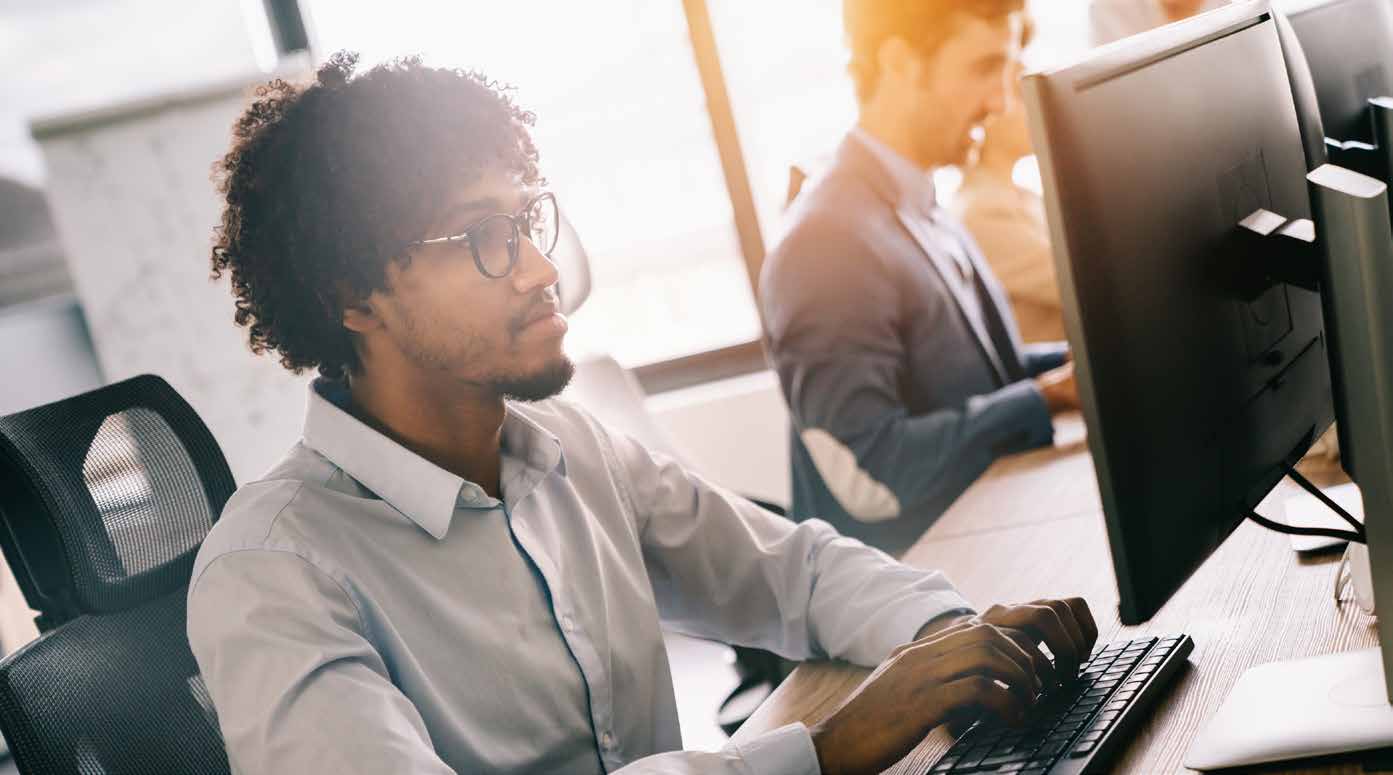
(494, 240)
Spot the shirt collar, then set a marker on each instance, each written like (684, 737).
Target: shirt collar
(422, 491)
(912, 184)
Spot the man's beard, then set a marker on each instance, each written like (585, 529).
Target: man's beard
(543, 384)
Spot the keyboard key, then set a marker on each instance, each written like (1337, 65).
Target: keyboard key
(1082, 749)
(1051, 749)
(1090, 737)
(970, 762)
(1007, 758)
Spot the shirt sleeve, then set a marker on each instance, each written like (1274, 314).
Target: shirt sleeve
(295, 682)
(837, 344)
(1040, 357)
(784, 751)
(726, 569)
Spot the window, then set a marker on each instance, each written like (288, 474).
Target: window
(626, 143)
(785, 61)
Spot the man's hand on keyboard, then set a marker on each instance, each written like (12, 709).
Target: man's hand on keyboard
(987, 663)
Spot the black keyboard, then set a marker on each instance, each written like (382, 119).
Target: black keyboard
(1075, 728)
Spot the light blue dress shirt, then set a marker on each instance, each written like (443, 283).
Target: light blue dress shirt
(361, 610)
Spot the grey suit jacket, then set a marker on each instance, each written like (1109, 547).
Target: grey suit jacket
(899, 399)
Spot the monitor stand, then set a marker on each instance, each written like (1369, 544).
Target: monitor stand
(1376, 159)
(1334, 703)
(1338, 702)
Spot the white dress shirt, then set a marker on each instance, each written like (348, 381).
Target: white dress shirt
(361, 610)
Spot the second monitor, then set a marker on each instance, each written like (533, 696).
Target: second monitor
(1202, 378)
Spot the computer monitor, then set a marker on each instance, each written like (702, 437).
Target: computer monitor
(1348, 45)
(1201, 378)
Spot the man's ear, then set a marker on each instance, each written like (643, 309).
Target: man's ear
(897, 60)
(360, 315)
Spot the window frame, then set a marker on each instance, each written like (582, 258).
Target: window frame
(743, 357)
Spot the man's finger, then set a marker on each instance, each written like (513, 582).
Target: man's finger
(977, 693)
(1044, 668)
(988, 660)
(1071, 627)
(1043, 623)
(1084, 616)
(954, 639)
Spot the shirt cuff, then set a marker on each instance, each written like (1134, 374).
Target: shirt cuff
(787, 750)
(1043, 356)
(1014, 418)
(919, 611)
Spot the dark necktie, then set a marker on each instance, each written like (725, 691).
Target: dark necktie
(996, 328)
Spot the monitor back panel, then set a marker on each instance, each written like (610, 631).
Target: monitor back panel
(1152, 151)
(1349, 47)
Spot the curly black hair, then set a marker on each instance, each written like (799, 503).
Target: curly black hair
(326, 183)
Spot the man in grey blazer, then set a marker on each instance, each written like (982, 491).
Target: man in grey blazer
(897, 351)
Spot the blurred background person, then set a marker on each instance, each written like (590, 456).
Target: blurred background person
(1111, 20)
(896, 350)
(1008, 220)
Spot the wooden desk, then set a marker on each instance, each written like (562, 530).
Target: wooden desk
(1033, 527)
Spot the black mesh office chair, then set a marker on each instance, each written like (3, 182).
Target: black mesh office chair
(105, 498)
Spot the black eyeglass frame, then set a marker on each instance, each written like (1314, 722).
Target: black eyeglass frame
(519, 223)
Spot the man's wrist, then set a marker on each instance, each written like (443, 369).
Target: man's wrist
(942, 622)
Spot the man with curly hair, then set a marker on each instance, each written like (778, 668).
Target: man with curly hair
(452, 573)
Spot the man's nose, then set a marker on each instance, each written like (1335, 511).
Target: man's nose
(534, 269)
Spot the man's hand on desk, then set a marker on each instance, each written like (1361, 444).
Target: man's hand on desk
(1060, 390)
(958, 668)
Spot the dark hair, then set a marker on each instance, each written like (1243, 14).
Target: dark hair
(925, 24)
(326, 183)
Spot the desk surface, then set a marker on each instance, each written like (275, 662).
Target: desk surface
(1032, 527)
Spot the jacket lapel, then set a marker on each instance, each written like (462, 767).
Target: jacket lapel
(856, 157)
(923, 233)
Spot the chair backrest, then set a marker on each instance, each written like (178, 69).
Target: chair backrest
(614, 396)
(573, 266)
(105, 498)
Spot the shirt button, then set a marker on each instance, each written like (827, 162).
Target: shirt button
(567, 623)
(607, 741)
